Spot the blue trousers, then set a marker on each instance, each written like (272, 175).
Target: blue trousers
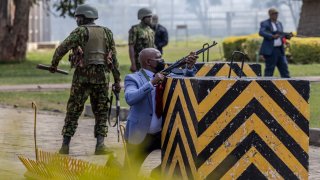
(277, 58)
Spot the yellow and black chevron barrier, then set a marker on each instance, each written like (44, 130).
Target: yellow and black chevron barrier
(222, 69)
(220, 128)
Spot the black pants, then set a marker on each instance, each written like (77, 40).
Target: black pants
(277, 58)
(139, 152)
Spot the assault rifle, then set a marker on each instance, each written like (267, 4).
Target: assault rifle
(117, 123)
(287, 35)
(182, 62)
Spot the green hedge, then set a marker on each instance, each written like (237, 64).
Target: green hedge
(249, 44)
(301, 50)
(305, 50)
(231, 44)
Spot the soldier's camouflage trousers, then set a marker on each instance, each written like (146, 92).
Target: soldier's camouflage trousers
(138, 65)
(98, 97)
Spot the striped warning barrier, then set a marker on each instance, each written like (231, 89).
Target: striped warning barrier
(222, 69)
(219, 128)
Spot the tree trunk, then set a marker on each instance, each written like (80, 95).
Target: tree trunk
(14, 34)
(309, 24)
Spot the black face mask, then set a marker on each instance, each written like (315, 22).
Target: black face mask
(160, 66)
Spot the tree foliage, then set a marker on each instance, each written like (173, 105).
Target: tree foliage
(67, 7)
(14, 23)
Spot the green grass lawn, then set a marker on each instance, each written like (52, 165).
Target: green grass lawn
(50, 100)
(299, 70)
(26, 73)
(314, 105)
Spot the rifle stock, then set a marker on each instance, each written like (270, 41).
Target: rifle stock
(182, 62)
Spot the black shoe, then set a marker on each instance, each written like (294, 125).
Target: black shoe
(65, 145)
(102, 149)
(64, 149)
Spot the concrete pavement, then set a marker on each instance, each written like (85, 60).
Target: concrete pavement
(16, 137)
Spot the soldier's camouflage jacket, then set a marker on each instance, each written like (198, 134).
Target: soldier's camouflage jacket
(95, 74)
(141, 36)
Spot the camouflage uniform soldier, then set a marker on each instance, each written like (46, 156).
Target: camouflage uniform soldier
(140, 36)
(94, 58)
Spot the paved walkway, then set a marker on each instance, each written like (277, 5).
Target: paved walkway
(16, 137)
(57, 87)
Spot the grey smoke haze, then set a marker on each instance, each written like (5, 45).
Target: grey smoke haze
(229, 17)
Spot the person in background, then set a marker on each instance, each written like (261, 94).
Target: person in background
(143, 128)
(140, 36)
(161, 34)
(272, 48)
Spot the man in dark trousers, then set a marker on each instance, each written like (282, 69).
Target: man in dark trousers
(143, 128)
(272, 48)
(161, 34)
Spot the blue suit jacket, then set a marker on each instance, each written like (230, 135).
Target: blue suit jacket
(266, 31)
(139, 98)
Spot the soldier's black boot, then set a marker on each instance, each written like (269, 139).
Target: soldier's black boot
(65, 145)
(100, 147)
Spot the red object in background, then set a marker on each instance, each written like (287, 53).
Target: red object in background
(284, 40)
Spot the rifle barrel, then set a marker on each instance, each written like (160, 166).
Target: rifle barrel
(181, 61)
(204, 49)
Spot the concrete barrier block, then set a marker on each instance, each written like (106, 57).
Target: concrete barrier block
(249, 128)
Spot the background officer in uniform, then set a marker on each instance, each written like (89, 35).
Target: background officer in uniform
(140, 36)
(91, 78)
(161, 34)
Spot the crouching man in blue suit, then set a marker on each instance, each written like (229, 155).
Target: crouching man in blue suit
(272, 48)
(143, 129)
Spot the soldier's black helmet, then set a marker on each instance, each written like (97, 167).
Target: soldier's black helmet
(87, 11)
(144, 12)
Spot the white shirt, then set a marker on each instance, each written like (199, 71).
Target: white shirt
(155, 125)
(277, 42)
